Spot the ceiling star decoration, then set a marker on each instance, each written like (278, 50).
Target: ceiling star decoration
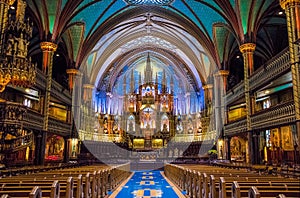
(149, 2)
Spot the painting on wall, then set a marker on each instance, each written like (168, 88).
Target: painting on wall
(287, 138)
(274, 138)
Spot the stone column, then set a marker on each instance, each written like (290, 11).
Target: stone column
(292, 10)
(220, 91)
(248, 49)
(48, 49)
(88, 116)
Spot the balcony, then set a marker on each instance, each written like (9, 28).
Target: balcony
(235, 93)
(57, 91)
(11, 117)
(15, 116)
(16, 144)
(280, 114)
(236, 127)
(59, 127)
(274, 68)
(33, 120)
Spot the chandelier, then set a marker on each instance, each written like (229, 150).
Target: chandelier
(15, 66)
(149, 2)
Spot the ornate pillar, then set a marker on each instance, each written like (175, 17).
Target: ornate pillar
(248, 49)
(292, 10)
(48, 49)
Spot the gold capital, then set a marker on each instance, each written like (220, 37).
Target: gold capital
(207, 86)
(88, 86)
(48, 46)
(284, 3)
(222, 73)
(247, 47)
(9, 2)
(73, 71)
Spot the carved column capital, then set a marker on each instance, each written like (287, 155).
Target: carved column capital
(48, 46)
(247, 47)
(285, 3)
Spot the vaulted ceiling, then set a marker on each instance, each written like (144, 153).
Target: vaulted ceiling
(191, 38)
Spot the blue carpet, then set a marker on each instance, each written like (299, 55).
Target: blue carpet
(147, 184)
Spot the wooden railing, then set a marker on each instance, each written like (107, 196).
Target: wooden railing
(236, 127)
(274, 68)
(33, 119)
(11, 117)
(277, 115)
(61, 93)
(58, 126)
(57, 90)
(15, 116)
(277, 66)
(235, 93)
(274, 116)
(17, 143)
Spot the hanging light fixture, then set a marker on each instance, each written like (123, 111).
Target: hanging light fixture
(15, 66)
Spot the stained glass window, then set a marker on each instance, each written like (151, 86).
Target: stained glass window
(149, 2)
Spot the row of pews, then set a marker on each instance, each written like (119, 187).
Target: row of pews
(86, 181)
(11, 171)
(203, 181)
(283, 170)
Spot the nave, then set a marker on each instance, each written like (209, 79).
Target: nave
(172, 180)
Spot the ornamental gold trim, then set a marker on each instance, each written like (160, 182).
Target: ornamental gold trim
(88, 86)
(222, 73)
(247, 47)
(284, 3)
(73, 71)
(9, 2)
(48, 46)
(207, 86)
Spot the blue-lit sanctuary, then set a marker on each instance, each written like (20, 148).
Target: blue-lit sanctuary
(149, 98)
(150, 104)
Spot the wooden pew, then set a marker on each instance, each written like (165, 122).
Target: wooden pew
(222, 189)
(95, 183)
(34, 193)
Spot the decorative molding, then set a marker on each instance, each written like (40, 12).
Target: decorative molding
(247, 47)
(48, 46)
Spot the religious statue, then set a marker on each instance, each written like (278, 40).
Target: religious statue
(10, 45)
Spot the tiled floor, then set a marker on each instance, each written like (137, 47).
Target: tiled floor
(147, 184)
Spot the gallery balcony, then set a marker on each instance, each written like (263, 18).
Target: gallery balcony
(281, 114)
(57, 91)
(11, 116)
(277, 66)
(16, 144)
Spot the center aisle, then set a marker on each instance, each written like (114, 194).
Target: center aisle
(147, 184)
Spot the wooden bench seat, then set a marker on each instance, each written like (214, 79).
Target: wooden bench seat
(89, 182)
